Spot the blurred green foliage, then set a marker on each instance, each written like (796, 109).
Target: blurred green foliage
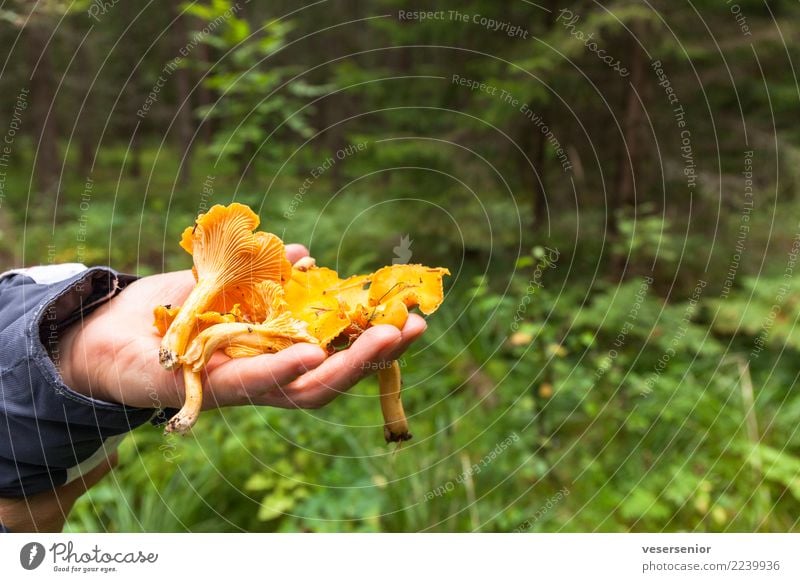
(596, 336)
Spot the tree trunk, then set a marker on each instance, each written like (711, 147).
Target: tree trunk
(204, 95)
(43, 122)
(185, 127)
(88, 117)
(535, 145)
(631, 151)
(134, 96)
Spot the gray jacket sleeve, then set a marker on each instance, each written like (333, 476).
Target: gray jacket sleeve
(50, 434)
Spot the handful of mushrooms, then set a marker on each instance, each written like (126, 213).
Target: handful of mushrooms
(249, 300)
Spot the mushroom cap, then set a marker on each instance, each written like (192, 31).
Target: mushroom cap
(230, 263)
(413, 285)
(311, 296)
(222, 244)
(337, 308)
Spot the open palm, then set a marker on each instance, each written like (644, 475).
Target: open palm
(112, 355)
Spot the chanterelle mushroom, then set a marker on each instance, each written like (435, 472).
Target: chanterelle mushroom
(339, 310)
(236, 333)
(278, 331)
(248, 300)
(229, 262)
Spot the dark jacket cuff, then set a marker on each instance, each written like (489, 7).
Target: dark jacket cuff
(49, 433)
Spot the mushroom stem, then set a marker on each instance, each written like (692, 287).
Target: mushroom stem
(268, 337)
(395, 428)
(187, 415)
(177, 337)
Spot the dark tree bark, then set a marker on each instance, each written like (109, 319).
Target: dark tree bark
(133, 97)
(534, 143)
(632, 149)
(183, 121)
(204, 95)
(633, 123)
(43, 121)
(87, 128)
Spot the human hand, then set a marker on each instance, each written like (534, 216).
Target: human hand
(112, 355)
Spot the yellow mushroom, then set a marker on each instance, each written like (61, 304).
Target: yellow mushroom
(312, 297)
(395, 424)
(338, 310)
(193, 402)
(165, 315)
(229, 263)
(414, 285)
(248, 300)
(239, 339)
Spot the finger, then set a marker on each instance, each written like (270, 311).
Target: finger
(340, 371)
(295, 252)
(415, 326)
(247, 380)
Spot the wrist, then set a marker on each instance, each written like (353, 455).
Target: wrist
(71, 364)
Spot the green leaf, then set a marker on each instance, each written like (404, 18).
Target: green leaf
(778, 466)
(260, 482)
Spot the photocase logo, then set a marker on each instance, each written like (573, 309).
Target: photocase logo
(31, 555)
(402, 252)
